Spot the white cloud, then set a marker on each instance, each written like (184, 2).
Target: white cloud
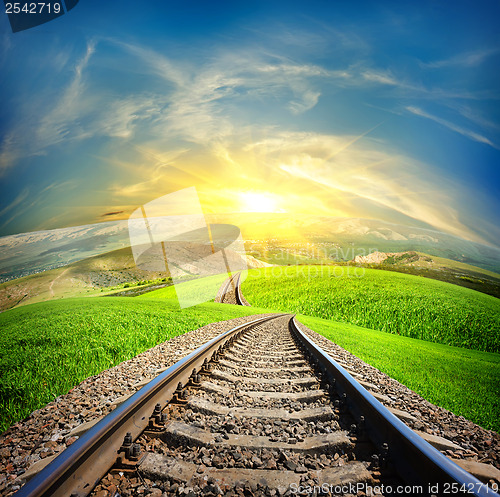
(61, 123)
(408, 89)
(309, 100)
(43, 122)
(197, 106)
(457, 129)
(384, 78)
(150, 169)
(466, 59)
(476, 117)
(21, 197)
(288, 69)
(189, 101)
(362, 169)
(124, 115)
(162, 66)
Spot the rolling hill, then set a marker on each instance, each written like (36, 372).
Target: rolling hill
(92, 276)
(340, 238)
(437, 268)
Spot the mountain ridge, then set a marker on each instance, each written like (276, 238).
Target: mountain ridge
(29, 253)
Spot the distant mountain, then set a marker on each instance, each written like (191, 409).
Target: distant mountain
(438, 268)
(351, 237)
(29, 253)
(104, 271)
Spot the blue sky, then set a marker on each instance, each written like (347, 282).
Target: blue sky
(384, 110)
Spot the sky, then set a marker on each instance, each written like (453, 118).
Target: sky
(381, 110)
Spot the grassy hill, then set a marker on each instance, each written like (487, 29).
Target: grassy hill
(387, 318)
(437, 268)
(396, 303)
(109, 272)
(47, 348)
(82, 278)
(116, 270)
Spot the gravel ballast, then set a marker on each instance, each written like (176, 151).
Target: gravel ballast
(49, 430)
(477, 443)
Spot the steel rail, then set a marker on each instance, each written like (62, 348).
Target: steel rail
(222, 291)
(416, 461)
(77, 470)
(234, 281)
(237, 293)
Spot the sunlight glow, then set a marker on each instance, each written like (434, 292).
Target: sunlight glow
(259, 202)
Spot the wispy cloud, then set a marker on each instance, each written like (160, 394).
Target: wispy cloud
(457, 129)
(123, 116)
(406, 88)
(287, 69)
(43, 121)
(353, 171)
(161, 65)
(197, 103)
(61, 122)
(149, 172)
(476, 117)
(193, 101)
(383, 78)
(308, 101)
(203, 111)
(466, 59)
(21, 197)
(27, 200)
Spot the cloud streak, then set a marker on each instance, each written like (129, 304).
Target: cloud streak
(404, 87)
(353, 170)
(224, 120)
(61, 123)
(453, 127)
(43, 122)
(466, 60)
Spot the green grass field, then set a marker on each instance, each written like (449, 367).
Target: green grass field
(387, 301)
(48, 348)
(463, 381)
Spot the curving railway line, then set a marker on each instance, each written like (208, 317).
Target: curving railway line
(230, 291)
(258, 410)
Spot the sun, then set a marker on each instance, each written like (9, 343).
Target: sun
(259, 202)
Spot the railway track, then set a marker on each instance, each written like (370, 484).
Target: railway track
(258, 410)
(230, 291)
